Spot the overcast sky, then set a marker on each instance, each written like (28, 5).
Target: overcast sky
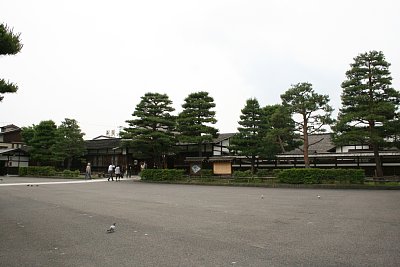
(93, 60)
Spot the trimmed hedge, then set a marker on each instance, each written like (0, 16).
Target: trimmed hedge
(46, 171)
(319, 176)
(206, 173)
(70, 174)
(242, 174)
(161, 174)
(37, 171)
(264, 173)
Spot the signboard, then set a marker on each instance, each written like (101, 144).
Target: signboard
(222, 168)
(195, 168)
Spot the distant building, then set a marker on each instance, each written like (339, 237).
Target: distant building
(103, 150)
(324, 154)
(12, 151)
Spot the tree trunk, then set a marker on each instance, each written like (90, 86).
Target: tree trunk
(164, 161)
(253, 159)
(200, 150)
(157, 162)
(305, 145)
(281, 144)
(375, 148)
(378, 163)
(69, 163)
(283, 150)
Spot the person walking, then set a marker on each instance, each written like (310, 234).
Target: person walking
(117, 173)
(88, 173)
(143, 166)
(129, 171)
(110, 172)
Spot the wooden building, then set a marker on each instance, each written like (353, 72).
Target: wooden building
(324, 154)
(13, 153)
(103, 151)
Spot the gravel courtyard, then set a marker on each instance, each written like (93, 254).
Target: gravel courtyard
(64, 224)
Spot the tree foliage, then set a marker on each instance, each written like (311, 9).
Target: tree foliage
(249, 139)
(151, 132)
(42, 142)
(51, 145)
(10, 44)
(369, 113)
(194, 122)
(281, 131)
(313, 110)
(27, 134)
(69, 143)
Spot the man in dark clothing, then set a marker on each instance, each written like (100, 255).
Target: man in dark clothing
(129, 171)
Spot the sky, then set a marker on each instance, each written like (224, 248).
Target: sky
(93, 60)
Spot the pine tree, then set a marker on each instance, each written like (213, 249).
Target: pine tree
(280, 134)
(151, 132)
(69, 143)
(313, 110)
(195, 119)
(42, 143)
(10, 44)
(249, 139)
(369, 113)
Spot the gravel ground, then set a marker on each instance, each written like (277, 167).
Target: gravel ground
(64, 224)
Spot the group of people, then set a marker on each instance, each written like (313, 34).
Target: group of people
(117, 170)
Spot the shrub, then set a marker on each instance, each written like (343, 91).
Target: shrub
(275, 172)
(241, 174)
(238, 174)
(23, 171)
(70, 174)
(37, 171)
(161, 174)
(317, 176)
(206, 173)
(264, 172)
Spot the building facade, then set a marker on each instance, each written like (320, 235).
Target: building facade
(323, 154)
(12, 151)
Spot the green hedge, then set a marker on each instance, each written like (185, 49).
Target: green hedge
(70, 174)
(37, 171)
(319, 176)
(206, 173)
(46, 171)
(264, 172)
(275, 172)
(242, 174)
(161, 174)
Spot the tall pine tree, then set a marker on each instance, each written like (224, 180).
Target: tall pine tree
(313, 110)
(369, 113)
(249, 139)
(151, 131)
(42, 143)
(194, 122)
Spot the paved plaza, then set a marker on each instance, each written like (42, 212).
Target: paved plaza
(48, 223)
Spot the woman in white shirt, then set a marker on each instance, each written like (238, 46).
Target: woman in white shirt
(117, 173)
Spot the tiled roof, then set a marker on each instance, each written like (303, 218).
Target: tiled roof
(9, 128)
(222, 136)
(10, 151)
(115, 142)
(103, 143)
(322, 143)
